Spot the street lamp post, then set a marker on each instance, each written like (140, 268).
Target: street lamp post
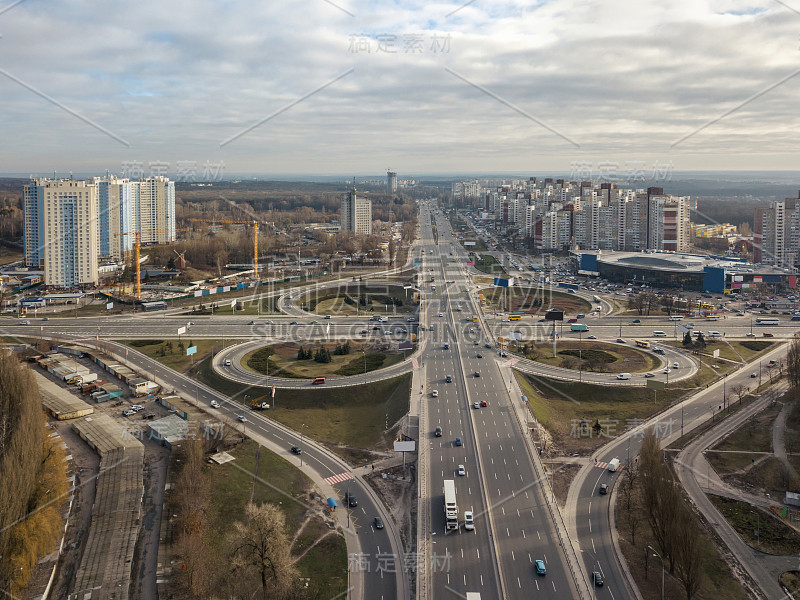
(580, 356)
(662, 569)
(301, 443)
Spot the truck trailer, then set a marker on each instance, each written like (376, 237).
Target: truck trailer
(450, 505)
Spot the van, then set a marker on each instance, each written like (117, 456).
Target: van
(714, 334)
(623, 375)
(318, 380)
(613, 465)
(659, 334)
(676, 318)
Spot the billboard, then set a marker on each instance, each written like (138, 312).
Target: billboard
(502, 282)
(404, 446)
(469, 243)
(191, 350)
(554, 315)
(109, 306)
(655, 385)
(181, 330)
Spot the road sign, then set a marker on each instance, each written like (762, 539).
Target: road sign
(654, 384)
(404, 446)
(715, 353)
(181, 330)
(682, 328)
(109, 306)
(191, 350)
(233, 303)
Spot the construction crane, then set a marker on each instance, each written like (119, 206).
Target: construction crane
(252, 222)
(137, 248)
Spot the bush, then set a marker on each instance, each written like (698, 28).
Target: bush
(756, 345)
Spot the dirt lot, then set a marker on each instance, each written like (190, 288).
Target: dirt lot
(400, 496)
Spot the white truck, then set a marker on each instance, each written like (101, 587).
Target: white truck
(613, 465)
(450, 505)
(84, 378)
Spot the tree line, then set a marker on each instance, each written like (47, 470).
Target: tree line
(32, 469)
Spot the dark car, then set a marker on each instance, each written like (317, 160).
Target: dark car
(458, 441)
(487, 345)
(477, 374)
(479, 355)
(603, 488)
(350, 500)
(378, 523)
(597, 579)
(149, 416)
(296, 450)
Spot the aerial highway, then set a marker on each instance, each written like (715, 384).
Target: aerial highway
(500, 485)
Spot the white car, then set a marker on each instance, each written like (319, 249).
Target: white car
(214, 404)
(435, 393)
(461, 470)
(666, 371)
(675, 365)
(469, 522)
(441, 314)
(242, 418)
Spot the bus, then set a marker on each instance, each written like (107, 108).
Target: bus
(712, 317)
(642, 343)
(514, 317)
(767, 321)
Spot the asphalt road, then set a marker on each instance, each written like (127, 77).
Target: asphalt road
(512, 522)
(382, 585)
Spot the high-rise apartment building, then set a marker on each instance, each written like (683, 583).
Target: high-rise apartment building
(107, 212)
(391, 182)
(356, 214)
(776, 234)
(61, 231)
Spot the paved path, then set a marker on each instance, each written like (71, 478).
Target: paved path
(778, 442)
(693, 470)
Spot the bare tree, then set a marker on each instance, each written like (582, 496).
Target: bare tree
(793, 364)
(668, 302)
(740, 390)
(660, 497)
(260, 542)
(688, 552)
(637, 303)
(630, 499)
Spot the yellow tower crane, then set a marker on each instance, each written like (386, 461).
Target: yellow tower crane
(137, 249)
(255, 225)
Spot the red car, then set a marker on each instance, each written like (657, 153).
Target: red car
(483, 403)
(766, 334)
(573, 320)
(318, 380)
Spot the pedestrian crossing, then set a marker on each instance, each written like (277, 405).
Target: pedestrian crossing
(601, 465)
(334, 479)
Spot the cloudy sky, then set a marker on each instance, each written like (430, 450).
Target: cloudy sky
(356, 86)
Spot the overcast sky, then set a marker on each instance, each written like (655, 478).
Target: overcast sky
(352, 86)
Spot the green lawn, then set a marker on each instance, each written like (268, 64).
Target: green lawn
(755, 435)
(734, 350)
(279, 482)
(169, 354)
(529, 300)
(564, 407)
(604, 357)
(486, 263)
(354, 416)
(280, 360)
(775, 536)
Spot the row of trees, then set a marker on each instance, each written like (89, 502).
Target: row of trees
(32, 469)
(256, 553)
(323, 355)
(649, 492)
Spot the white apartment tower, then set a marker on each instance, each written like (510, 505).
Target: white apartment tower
(391, 182)
(356, 213)
(61, 231)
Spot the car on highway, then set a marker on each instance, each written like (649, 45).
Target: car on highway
(318, 381)
(540, 568)
(767, 334)
(649, 375)
(476, 405)
(591, 337)
(750, 334)
(24, 322)
(469, 521)
(435, 393)
(484, 403)
(241, 418)
(479, 355)
(461, 470)
(327, 317)
(459, 442)
(477, 374)
(293, 323)
(666, 370)
(597, 579)
(350, 499)
(603, 488)
(214, 404)
(378, 523)
(438, 431)
(441, 314)
(376, 328)
(228, 363)
(675, 365)
(637, 321)
(487, 346)
(296, 450)
(620, 341)
(753, 375)
(252, 323)
(364, 332)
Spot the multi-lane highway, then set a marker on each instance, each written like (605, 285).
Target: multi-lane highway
(500, 485)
